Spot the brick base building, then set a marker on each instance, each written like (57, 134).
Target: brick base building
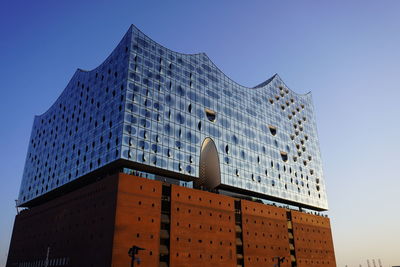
(177, 226)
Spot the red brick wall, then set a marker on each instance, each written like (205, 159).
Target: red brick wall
(313, 240)
(97, 224)
(202, 229)
(78, 228)
(265, 234)
(137, 220)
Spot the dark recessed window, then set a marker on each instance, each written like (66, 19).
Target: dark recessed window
(272, 129)
(211, 115)
(284, 156)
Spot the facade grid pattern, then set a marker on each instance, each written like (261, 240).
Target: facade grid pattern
(155, 107)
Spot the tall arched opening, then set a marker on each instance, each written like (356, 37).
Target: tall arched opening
(210, 173)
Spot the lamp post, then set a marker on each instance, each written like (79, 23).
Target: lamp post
(132, 253)
(280, 260)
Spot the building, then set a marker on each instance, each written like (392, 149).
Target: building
(178, 121)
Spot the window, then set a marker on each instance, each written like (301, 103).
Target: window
(272, 129)
(211, 115)
(284, 156)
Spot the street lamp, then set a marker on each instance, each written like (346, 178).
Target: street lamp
(280, 260)
(132, 253)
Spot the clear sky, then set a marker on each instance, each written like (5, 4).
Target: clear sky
(346, 52)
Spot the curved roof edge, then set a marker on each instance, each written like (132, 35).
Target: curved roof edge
(64, 91)
(261, 85)
(79, 71)
(134, 28)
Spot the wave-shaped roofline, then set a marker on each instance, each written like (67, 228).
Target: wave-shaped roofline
(260, 85)
(79, 71)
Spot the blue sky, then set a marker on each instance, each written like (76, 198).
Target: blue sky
(346, 52)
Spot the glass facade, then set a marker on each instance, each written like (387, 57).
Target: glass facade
(154, 106)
